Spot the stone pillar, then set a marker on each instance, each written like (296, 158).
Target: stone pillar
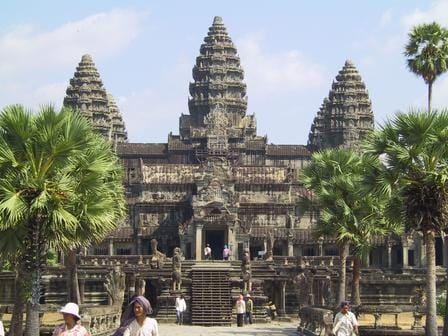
(405, 253)
(320, 242)
(139, 244)
(131, 284)
(445, 250)
(198, 241)
(422, 250)
(82, 283)
(282, 310)
(111, 247)
(290, 248)
(389, 255)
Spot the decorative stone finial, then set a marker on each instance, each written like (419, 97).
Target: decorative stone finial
(349, 62)
(86, 59)
(217, 20)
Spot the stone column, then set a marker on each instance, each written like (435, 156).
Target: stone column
(82, 283)
(111, 247)
(139, 244)
(198, 241)
(320, 242)
(131, 284)
(422, 250)
(282, 310)
(405, 253)
(445, 250)
(389, 255)
(290, 248)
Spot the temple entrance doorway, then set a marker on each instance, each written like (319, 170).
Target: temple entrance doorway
(216, 239)
(151, 293)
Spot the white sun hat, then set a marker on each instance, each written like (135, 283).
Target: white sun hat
(72, 309)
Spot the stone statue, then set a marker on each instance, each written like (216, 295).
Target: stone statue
(327, 292)
(115, 286)
(246, 272)
(303, 284)
(268, 256)
(141, 286)
(176, 275)
(157, 257)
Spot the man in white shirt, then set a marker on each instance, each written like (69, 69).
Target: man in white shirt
(181, 307)
(345, 323)
(2, 330)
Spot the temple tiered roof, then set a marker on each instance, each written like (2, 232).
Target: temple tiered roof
(218, 85)
(346, 116)
(87, 94)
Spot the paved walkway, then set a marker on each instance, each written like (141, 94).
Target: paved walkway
(271, 329)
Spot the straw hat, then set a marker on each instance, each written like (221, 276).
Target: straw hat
(72, 309)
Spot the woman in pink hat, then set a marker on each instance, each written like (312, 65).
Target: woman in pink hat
(71, 325)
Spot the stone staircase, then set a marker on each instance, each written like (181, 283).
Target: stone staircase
(211, 300)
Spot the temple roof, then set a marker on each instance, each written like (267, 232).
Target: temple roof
(346, 116)
(218, 78)
(141, 149)
(287, 150)
(87, 94)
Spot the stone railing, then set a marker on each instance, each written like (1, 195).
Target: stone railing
(315, 321)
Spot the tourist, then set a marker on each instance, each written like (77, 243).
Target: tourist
(207, 252)
(71, 325)
(181, 307)
(135, 320)
(2, 330)
(272, 310)
(225, 253)
(345, 323)
(240, 308)
(249, 309)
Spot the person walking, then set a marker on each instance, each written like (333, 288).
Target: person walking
(207, 252)
(135, 320)
(240, 308)
(2, 330)
(345, 323)
(225, 253)
(249, 309)
(181, 307)
(71, 325)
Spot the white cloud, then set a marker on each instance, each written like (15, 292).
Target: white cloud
(438, 11)
(34, 60)
(287, 70)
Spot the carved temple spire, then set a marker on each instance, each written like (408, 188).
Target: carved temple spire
(87, 94)
(218, 80)
(346, 116)
(118, 131)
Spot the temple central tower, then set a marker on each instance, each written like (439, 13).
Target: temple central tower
(218, 100)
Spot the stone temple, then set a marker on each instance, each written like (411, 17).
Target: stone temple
(219, 183)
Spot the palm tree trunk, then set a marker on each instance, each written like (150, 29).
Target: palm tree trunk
(33, 306)
(72, 278)
(16, 328)
(356, 296)
(431, 312)
(429, 96)
(343, 253)
(445, 318)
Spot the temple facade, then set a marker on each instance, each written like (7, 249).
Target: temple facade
(218, 182)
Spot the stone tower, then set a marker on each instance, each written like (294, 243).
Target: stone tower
(117, 133)
(218, 100)
(346, 116)
(87, 95)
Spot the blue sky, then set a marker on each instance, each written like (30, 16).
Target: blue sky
(291, 52)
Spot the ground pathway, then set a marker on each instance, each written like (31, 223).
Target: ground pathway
(272, 329)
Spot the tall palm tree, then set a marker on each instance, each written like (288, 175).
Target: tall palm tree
(61, 188)
(348, 211)
(427, 53)
(415, 155)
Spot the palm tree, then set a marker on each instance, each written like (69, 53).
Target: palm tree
(415, 155)
(348, 211)
(61, 188)
(427, 53)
